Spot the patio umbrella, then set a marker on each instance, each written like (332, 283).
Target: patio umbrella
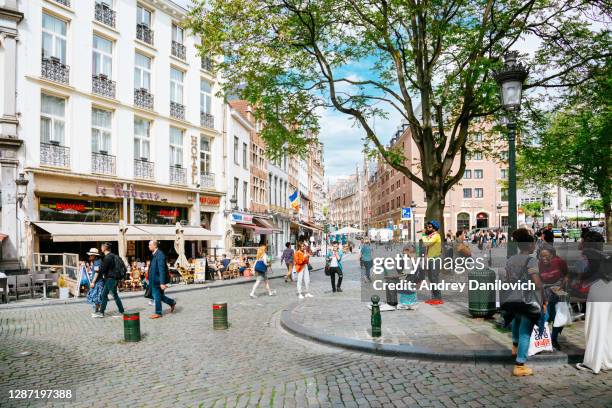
(348, 230)
(122, 242)
(179, 247)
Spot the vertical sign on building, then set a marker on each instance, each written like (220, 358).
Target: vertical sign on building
(194, 160)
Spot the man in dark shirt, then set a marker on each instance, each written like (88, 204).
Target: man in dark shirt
(225, 261)
(109, 272)
(548, 234)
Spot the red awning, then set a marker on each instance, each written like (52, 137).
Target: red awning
(2, 236)
(255, 228)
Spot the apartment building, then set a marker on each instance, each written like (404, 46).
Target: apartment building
(120, 119)
(345, 202)
(316, 181)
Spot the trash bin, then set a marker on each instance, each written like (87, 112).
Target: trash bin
(220, 316)
(481, 302)
(131, 326)
(391, 293)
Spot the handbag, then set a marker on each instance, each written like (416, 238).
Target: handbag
(260, 266)
(327, 269)
(520, 300)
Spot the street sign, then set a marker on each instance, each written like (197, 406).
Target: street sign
(406, 213)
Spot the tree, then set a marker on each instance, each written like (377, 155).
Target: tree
(429, 60)
(533, 210)
(595, 206)
(573, 147)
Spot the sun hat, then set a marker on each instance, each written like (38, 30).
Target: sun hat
(94, 251)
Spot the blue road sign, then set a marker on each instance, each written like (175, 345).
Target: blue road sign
(406, 213)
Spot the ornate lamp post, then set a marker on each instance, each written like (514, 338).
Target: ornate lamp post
(21, 184)
(413, 207)
(510, 79)
(499, 208)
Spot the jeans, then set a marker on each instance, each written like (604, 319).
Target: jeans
(159, 297)
(522, 327)
(368, 267)
(332, 274)
(110, 286)
(303, 278)
(552, 312)
(433, 274)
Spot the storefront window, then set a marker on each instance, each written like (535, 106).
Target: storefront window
(156, 214)
(60, 209)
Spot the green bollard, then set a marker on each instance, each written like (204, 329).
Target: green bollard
(131, 326)
(376, 319)
(220, 316)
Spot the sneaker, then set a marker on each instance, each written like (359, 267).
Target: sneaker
(301, 296)
(308, 295)
(151, 303)
(413, 307)
(98, 315)
(556, 345)
(402, 307)
(339, 290)
(521, 371)
(253, 296)
(272, 293)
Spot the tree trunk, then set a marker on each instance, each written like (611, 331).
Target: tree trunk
(608, 219)
(435, 209)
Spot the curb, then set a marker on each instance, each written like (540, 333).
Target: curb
(416, 352)
(130, 295)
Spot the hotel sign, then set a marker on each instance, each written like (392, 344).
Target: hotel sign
(194, 160)
(242, 218)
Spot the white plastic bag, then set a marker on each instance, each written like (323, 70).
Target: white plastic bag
(563, 315)
(294, 274)
(539, 343)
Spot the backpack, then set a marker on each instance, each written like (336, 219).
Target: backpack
(119, 269)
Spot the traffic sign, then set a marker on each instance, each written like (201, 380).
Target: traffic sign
(406, 213)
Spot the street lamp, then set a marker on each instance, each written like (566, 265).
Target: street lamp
(510, 79)
(234, 202)
(577, 206)
(499, 207)
(22, 188)
(413, 207)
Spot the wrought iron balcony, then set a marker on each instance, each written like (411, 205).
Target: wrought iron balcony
(52, 154)
(144, 33)
(207, 180)
(178, 175)
(207, 64)
(104, 14)
(103, 85)
(143, 98)
(63, 2)
(177, 110)
(178, 50)
(144, 169)
(102, 163)
(207, 120)
(55, 70)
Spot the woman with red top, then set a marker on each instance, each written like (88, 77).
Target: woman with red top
(554, 274)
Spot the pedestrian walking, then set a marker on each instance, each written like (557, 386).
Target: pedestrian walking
(301, 261)
(96, 282)
(596, 267)
(261, 271)
(433, 252)
(112, 271)
(554, 275)
(287, 258)
(366, 258)
(334, 260)
(523, 307)
(158, 278)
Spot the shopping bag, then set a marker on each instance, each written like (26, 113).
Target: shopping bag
(563, 315)
(294, 274)
(539, 343)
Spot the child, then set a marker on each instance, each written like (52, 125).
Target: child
(407, 298)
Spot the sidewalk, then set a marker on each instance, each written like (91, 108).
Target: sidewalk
(444, 332)
(277, 271)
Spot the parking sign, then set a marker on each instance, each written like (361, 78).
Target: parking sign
(406, 213)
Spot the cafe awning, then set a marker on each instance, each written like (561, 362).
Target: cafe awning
(2, 236)
(307, 225)
(265, 225)
(168, 233)
(255, 228)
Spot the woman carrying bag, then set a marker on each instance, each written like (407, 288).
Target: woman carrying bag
(261, 269)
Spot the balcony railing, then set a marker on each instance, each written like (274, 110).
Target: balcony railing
(103, 85)
(144, 33)
(177, 110)
(207, 64)
(144, 169)
(102, 163)
(178, 175)
(52, 154)
(207, 120)
(104, 14)
(55, 70)
(178, 50)
(63, 2)
(207, 180)
(143, 98)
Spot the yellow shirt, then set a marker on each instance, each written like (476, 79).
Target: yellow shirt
(433, 243)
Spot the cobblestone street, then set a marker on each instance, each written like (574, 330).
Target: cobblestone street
(181, 361)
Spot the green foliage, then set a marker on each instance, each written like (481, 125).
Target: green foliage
(532, 209)
(594, 206)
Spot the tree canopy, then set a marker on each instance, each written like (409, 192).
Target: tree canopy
(429, 60)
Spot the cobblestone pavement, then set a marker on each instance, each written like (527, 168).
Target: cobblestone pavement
(181, 361)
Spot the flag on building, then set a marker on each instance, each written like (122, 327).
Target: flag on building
(293, 199)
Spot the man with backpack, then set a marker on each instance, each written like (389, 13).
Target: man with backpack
(158, 278)
(112, 271)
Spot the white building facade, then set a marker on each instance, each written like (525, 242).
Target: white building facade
(279, 201)
(118, 118)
